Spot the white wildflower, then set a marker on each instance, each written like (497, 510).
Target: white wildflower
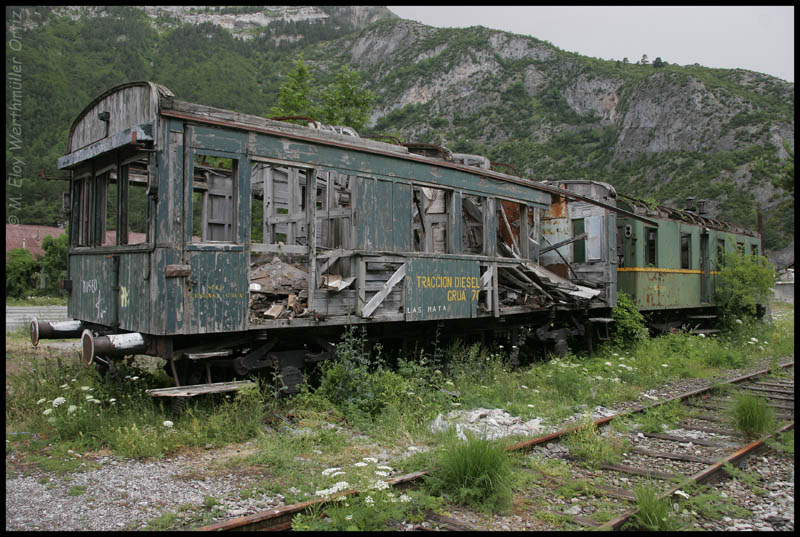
(86, 388)
(40, 401)
(48, 412)
(598, 377)
(380, 485)
(71, 409)
(702, 335)
(388, 468)
(168, 424)
(89, 397)
(535, 391)
(134, 378)
(413, 448)
(329, 471)
(531, 406)
(112, 400)
(405, 498)
(614, 354)
(754, 340)
(337, 473)
(65, 385)
(681, 493)
(95, 401)
(373, 460)
(738, 321)
(360, 464)
(523, 386)
(58, 401)
(456, 404)
(608, 363)
(369, 501)
(382, 474)
(664, 365)
(349, 517)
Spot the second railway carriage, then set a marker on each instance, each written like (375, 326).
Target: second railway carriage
(226, 242)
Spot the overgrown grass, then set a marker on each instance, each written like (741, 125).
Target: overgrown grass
(752, 416)
(476, 473)
(594, 449)
(654, 513)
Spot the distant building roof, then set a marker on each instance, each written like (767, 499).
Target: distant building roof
(30, 237)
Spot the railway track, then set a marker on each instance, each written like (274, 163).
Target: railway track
(697, 451)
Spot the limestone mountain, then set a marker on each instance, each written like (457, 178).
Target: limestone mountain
(658, 131)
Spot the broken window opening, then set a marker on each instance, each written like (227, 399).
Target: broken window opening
(109, 208)
(213, 192)
(135, 204)
(430, 227)
(508, 228)
(279, 204)
(754, 250)
(472, 216)
(333, 210)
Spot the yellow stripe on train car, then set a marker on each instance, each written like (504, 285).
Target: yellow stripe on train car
(668, 270)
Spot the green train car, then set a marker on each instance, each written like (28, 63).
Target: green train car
(668, 267)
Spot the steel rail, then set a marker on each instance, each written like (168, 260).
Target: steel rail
(281, 518)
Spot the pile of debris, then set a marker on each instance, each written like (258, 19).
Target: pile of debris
(278, 290)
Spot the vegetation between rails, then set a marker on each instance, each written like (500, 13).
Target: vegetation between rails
(363, 403)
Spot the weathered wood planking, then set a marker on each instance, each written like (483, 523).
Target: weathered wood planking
(127, 107)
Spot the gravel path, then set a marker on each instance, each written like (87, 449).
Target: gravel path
(123, 494)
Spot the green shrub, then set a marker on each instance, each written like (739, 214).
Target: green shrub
(653, 513)
(743, 282)
(628, 326)
(476, 473)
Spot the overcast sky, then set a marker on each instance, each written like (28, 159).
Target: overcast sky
(756, 38)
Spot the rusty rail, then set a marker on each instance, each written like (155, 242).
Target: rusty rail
(280, 519)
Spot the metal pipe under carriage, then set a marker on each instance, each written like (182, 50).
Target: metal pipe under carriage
(112, 345)
(50, 330)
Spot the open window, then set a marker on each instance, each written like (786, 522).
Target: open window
(279, 201)
(213, 193)
(430, 222)
(110, 203)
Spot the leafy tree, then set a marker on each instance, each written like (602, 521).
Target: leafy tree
(295, 95)
(21, 271)
(54, 262)
(346, 102)
(658, 63)
(644, 61)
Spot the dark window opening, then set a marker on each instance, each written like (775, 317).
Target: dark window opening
(430, 210)
(650, 247)
(686, 250)
(578, 247)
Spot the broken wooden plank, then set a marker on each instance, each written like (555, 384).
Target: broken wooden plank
(378, 298)
(199, 389)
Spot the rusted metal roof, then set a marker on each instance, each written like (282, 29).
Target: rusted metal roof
(642, 207)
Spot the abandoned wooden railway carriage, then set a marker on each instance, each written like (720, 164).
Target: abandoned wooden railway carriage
(226, 243)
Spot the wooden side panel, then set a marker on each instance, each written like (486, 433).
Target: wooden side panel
(168, 294)
(401, 216)
(383, 231)
(364, 217)
(92, 297)
(216, 299)
(135, 305)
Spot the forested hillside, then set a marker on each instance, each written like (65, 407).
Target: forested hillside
(661, 132)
